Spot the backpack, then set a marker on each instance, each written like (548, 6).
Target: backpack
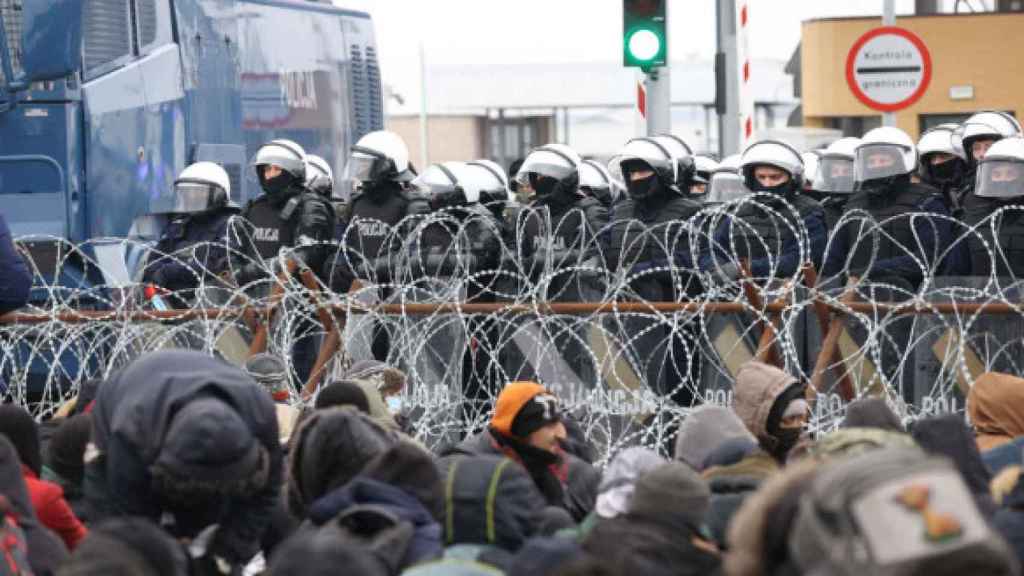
(13, 545)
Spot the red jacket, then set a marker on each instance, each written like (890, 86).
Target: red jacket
(53, 510)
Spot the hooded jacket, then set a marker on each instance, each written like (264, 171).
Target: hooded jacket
(949, 436)
(995, 405)
(329, 449)
(704, 430)
(45, 550)
(615, 494)
(134, 411)
(758, 386)
(871, 413)
(730, 486)
(373, 376)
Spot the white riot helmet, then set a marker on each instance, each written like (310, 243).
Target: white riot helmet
(201, 187)
(596, 181)
(497, 196)
(285, 154)
(726, 182)
(319, 176)
(379, 157)
(703, 166)
(883, 154)
(811, 160)
(472, 181)
(552, 172)
(988, 125)
(684, 159)
(1001, 171)
(646, 154)
(940, 140)
(835, 167)
(776, 154)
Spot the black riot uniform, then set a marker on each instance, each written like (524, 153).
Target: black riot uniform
(1004, 235)
(190, 249)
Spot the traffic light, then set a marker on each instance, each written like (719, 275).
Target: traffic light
(644, 37)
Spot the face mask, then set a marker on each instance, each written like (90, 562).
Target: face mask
(603, 195)
(880, 186)
(948, 171)
(786, 439)
(644, 188)
(394, 404)
(544, 187)
(779, 189)
(275, 185)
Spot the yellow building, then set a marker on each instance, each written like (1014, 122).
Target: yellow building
(976, 65)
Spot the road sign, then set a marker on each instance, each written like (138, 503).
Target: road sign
(888, 68)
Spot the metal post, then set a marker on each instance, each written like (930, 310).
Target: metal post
(889, 19)
(502, 156)
(729, 122)
(424, 132)
(659, 101)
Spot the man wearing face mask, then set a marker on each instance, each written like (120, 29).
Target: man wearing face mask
(769, 229)
(773, 406)
(286, 219)
(649, 247)
(942, 165)
(1000, 184)
(904, 219)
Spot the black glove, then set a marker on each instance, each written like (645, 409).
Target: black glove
(316, 220)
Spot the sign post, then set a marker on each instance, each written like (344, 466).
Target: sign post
(889, 69)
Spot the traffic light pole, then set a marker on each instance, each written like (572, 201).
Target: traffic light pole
(728, 97)
(659, 101)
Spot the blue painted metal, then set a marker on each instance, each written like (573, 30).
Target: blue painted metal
(51, 47)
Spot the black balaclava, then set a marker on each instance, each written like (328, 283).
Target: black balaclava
(786, 188)
(553, 192)
(948, 173)
(644, 188)
(274, 186)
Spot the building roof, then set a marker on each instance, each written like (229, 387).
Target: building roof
(473, 89)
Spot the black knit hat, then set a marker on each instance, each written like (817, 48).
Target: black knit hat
(23, 432)
(342, 393)
(128, 546)
(538, 412)
(67, 447)
(210, 442)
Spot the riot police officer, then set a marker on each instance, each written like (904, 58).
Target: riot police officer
(595, 181)
(834, 183)
(380, 172)
(703, 166)
(649, 245)
(977, 134)
(192, 247)
(779, 229)
(286, 218)
(942, 164)
(319, 176)
(890, 212)
(726, 183)
(1000, 184)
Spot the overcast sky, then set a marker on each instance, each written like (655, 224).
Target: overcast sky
(517, 31)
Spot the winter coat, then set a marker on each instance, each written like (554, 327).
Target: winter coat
(871, 413)
(132, 414)
(1004, 456)
(704, 430)
(53, 510)
(578, 480)
(757, 388)
(1009, 519)
(995, 405)
(45, 550)
(615, 494)
(731, 485)
(949, 436)
(627, 545)
(15, 277)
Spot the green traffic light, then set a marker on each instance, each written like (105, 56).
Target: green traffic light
(644, 45)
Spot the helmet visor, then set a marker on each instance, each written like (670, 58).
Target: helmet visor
(191, 197)
(1000, 179)
(726, 187)
(555, 170)
(876, 161)
(835, 174)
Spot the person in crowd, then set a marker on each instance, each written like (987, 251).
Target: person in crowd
(733, 474)
(995, 406)
(597, 182)
(835, 181)
(871, 413)
(1008, 494)
(703, 167)
(527, 427)
(342, 393)
(188, 440)
(773, 406)
(319, 176)
(15, 276)
(704, 430)
(976, 135)
(324, 553)
(192, 249)
(127, 546)
(949, 436)
(45, 549)
(48, 501)
(618, 483)
(65, 462)
(382, 384)
(778, 230)
(663, 531)
(907, 512)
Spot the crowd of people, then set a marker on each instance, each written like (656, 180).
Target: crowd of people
(183, 464)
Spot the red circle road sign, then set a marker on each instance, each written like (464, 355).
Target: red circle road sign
(888, 68)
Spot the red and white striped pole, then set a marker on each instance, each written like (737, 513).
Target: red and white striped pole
(746, 92)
